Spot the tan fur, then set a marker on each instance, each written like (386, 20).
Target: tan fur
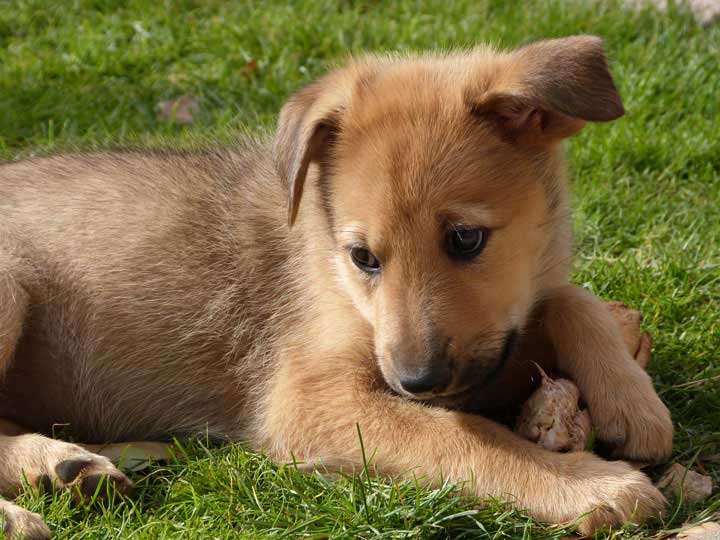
(165, 293)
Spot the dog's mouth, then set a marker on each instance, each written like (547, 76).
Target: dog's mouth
(476, 375)
(473, 381)
(509, 346)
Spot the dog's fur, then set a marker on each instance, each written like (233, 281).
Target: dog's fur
(152, 293)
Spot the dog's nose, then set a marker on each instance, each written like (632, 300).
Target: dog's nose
(424, 381)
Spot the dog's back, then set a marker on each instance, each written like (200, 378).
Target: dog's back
(165, 256)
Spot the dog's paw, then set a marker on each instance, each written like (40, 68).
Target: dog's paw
(632, 419)
(88, 475)
(20, 524)
(91, 475)
(607, 494)
(630, 498)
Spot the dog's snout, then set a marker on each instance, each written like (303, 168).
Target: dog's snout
(425, 381)
(421, 370)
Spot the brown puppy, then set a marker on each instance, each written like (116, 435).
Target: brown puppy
(146, 294)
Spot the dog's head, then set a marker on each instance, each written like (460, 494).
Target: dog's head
(439, 178)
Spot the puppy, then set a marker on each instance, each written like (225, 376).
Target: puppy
(403, 238)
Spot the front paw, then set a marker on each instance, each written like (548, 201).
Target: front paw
(630, 416)
(20, 524)
(609, 494)
(59, 465)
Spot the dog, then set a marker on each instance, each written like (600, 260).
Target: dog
(400, 243)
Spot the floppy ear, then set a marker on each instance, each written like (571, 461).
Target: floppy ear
(308, 122)
(548, 90)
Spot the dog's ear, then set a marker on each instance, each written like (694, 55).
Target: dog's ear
(307, 125)
(548, 90)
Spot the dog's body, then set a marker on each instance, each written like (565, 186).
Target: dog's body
(147, 294)
(197, 241)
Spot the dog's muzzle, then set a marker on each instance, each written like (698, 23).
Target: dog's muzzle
(435, 381)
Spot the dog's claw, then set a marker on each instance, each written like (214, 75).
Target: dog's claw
(97, 485)
(90, 485)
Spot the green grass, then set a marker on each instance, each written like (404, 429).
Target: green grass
(647, 214)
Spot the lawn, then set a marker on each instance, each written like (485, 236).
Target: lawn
(647, 215)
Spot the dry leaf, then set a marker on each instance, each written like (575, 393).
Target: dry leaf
(639, 343)
(629, 321)
(181, 111)
(552, 418)
(133, 456)
(707, 531)
(693, 486)
(251, 66)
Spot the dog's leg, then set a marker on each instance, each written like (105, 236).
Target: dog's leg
(624, 406)
(312, 416)
(41, 461)
(20, 524)
(32, 457)
(16, 522)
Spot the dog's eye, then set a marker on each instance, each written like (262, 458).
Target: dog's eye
(364, 260)
(466, 243)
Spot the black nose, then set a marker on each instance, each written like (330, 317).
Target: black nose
(425, 380)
